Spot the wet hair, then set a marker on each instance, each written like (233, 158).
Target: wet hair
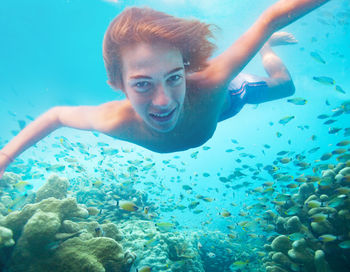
(135, 25)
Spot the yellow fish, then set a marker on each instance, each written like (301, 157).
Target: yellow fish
(97, 183)
(127, 206)
(327, 238)
(286, 119)
(297, 101)
(144, 269)
(324, 80)
(317, 57)
(225, 214)
(240, 263)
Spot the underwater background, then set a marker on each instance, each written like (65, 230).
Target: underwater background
(268, 192)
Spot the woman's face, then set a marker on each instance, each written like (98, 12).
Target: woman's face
(154, 82)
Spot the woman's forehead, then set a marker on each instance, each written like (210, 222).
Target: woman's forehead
(145, 56)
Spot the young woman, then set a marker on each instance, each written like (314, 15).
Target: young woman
(175, 94)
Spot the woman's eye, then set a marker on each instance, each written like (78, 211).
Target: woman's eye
(142, 85)
(175, 79)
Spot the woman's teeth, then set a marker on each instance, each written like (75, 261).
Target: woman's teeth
(162, 114)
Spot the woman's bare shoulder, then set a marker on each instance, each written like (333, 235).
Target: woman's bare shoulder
(115, 116)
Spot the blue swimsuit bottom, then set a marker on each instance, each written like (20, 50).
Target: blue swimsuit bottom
(238, 89)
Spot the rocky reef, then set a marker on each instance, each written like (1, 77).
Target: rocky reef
(313, 226)
(56, 234)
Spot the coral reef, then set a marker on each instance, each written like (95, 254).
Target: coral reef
(318, 222)
(6, 237)
(47, 239)
(55, 186)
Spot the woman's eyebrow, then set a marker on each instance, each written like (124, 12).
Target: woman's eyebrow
(148, 77)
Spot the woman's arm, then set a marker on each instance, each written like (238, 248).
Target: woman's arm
(228, 64)
(101, 118)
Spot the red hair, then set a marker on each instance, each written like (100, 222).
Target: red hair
(136, 25)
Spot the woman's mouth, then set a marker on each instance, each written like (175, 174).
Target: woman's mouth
(164, 116)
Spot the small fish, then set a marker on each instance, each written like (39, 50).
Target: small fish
(150, 243)
(225, 214)
(343, 143)
(127, 206)
(102, 144)
(319, 217)
(99, 232)
(144, 269)
(339, 89)
(337, 112)
(335, 202)
(285, 120)
(22, 186)
(285, 160)
(345, 106)
(282, 153)
(194, 155)
(240, 263)
(292, 211)
(30, 117)
(313, 204)
(193, 204)
(292, 185)
(232, 235)
(297, 101)
(197, 211)
(324, 80)
(342, 190)
(301, 180)
(165, 226)
(211, 255)
(326, 156)
(21, 124)
(323, 116)
(339, 151)
(346, 132)
(317, 57)
(146, 209)
(296, 236)
(327, 238)
(13, 114)
(186, 187)
(343, 158)
(97, 183)
(313, 150)
(345, 179)
(345, 244)
(333, 130)
(329, 121)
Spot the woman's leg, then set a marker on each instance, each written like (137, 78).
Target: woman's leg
(273, 65)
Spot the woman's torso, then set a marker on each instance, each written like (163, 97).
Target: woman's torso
(201, 112)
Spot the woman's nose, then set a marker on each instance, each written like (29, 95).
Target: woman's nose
(162, 97)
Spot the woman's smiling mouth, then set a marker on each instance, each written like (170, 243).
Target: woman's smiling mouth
(164, 116)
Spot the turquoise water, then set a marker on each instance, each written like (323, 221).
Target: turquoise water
(51, 54)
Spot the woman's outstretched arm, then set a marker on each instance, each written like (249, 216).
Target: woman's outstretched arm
(227, 65)
(102, 118)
